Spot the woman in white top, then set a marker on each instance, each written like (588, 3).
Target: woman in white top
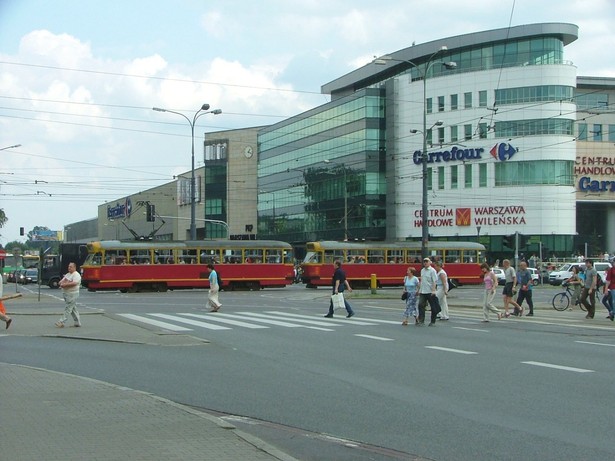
(442, 290)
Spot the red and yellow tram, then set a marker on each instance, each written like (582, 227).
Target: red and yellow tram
(162, 265)
(389, 261)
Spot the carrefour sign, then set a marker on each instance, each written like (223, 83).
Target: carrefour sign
(120, 210)
(501, 151)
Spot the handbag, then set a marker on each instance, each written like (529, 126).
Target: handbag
(404, 296)
(338, 301)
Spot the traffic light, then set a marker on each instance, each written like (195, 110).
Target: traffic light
(22, 231)
(509, 241)
(150, 215)
(523, 240)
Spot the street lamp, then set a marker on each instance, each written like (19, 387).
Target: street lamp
(345, 198)
(383, 60)
(202, 111)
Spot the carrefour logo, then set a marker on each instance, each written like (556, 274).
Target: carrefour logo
(501, 151)
(120, 210)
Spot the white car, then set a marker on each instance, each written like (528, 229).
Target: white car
(499, 273)
(564, 272)
(535, 275)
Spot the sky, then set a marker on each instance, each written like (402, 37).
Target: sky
(79, 78)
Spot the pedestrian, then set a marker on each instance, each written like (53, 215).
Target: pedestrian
(214, 289)
(5, 318)
(589, 289)
(576, 283)
(339, 283)
(442, 290)
(491, 281)
(70, 284)
(411, 288)
(510, 286)
(524, 278)
(427, 293)
(609, 288)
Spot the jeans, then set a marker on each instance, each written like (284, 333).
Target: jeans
(527, 295)
(607, 301)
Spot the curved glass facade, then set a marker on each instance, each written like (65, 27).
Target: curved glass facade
(535, 173)
(527, 94)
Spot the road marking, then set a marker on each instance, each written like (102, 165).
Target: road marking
(446, 349)
(213, 316)
(196, 323)
(471, 329)
(256, 317)
(157, 323)
(310, 320)
(595, 344)
(376, 337)
(559, 367)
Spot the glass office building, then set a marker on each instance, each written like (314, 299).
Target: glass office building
(321, 174)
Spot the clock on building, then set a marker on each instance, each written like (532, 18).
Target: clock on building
(248, 151)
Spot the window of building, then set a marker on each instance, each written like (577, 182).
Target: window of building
(429, 105)
(467, 175)
(482, 98)
(551, 172)
(515, 128)
(454, 101)
(429, 136)
(482, 130)
(440, 103)
(612, 133)
(429, 179)
(467, 100)
(213, 206)
(539, 93)
(582, 131)
(592, 101)
(467, 132)
(454, 176)
(482, 175)
(454, 135)
(440, 177)
(597, 132)
(441, 135)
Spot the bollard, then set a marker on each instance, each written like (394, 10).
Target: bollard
(372, 284)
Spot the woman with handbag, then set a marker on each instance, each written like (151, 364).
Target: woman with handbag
(411, 287)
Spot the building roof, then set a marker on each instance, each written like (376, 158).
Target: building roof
(372, 73)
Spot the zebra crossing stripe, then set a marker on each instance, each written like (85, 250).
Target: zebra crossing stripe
(255, 319)
(196, 323)
(329, 322)
(310, 320)
(261, 317)
(223, 320)
(157, 323)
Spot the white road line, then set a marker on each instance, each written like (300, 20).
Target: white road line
(310, 320)
(595, 344)
(559, 367)
(471, 329)
(376, 337)
(256, 317)
(157, 323)
(196, 323)
(446, 349)
(213, 317)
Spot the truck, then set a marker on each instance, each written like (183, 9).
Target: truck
(55, 266)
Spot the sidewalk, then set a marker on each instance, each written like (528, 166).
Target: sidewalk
(55, 416)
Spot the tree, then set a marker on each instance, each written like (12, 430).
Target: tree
(3, 218)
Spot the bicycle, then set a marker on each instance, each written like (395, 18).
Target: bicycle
(561, 301)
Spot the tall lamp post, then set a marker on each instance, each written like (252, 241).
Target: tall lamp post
(345, 198)
(202, 111)
(383, 60)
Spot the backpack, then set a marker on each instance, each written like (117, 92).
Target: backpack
(219, 279)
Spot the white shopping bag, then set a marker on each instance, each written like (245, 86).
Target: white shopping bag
(338, 301)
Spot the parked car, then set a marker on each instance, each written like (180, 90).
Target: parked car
(499, 273)
(28, 276)
(564, 272)
(535, 275)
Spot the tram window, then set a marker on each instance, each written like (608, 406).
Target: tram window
(164, 256)
(375, 256)
(413, 256)
(115, 257)
(140, 257)
(436, 255)
(469, 256)
(232, 256)
(312, 257)
(453, 256)
(273, 256)
(186, 256)
(209, 257)
(355, 256)
(254, 256)
(395, 256)
(333, 255)
(95, 259)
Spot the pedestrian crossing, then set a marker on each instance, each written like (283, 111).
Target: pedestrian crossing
(220, 321)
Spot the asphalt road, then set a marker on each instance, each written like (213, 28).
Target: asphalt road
(515, 389)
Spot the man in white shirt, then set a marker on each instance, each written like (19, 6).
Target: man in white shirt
(427, 293)
(70, 287)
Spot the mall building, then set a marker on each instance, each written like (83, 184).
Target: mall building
(515, 142)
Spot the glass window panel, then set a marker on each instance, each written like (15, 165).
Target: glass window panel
(482, 175)
(454, 177)
(597, 132)
(440, 103)
(467, 100)
(467, 132)
(429, 104)
(582, 131)
(375, 256)
(440, 177)
(482, 98)
(467, 175)
(454, 101)
(612, 133)
(454, 135)
(452, 256)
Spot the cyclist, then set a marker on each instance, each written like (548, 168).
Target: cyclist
(575, 282)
